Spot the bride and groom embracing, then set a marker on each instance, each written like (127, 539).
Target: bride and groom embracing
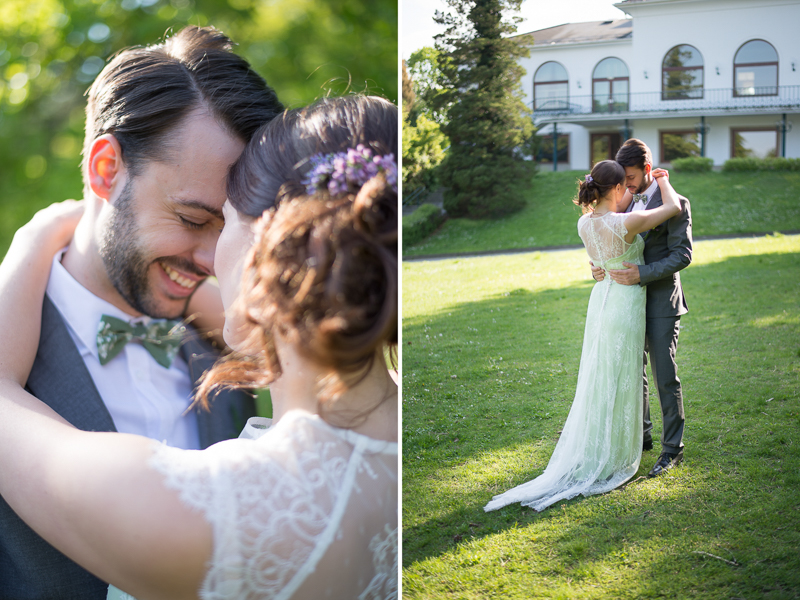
(638, 233)
(192, 168)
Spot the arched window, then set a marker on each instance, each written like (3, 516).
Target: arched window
(682, 74)
(610, 86)
(550, 87)
(755, 69)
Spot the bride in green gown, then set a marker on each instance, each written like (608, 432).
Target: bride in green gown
(601, 443)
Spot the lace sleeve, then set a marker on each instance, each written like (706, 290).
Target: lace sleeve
(292, 510)
(619, 227)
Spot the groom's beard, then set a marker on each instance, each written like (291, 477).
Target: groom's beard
(644, 185)
(127, 264)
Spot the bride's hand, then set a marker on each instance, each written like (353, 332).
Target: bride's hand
(55, 225)
(657, 173)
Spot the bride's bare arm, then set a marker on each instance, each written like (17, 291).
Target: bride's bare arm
(643, 220)
(23, 279)
(91, 495)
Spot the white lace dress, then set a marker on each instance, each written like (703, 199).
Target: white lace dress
(305, 511)
(601, 443)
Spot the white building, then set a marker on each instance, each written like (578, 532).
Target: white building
(716, 78)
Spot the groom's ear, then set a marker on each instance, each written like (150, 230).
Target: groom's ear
(105, 165)
(647, 169)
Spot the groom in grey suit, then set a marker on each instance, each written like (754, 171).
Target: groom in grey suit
(667, 250)
(163, 124)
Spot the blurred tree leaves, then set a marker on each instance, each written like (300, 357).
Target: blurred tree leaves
(51, 51)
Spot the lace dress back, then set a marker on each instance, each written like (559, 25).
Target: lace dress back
(601, 443)
(305, 511)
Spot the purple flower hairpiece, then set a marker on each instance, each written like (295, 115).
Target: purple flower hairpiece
(589, 179)
(342, 172)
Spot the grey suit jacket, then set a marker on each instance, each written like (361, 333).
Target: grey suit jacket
(30, 568)
(667, 250)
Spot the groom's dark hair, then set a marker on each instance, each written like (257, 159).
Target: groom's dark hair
(634, 153)
(146, 92)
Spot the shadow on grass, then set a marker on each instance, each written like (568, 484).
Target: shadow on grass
(488, 385)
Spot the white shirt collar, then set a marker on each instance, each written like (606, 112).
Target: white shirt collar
(80, 308)
(651, 189)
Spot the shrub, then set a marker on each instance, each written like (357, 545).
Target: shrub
(741, 164)
(481, 185)
(784, 164)
(424, 148)
(762, 164)
(693, 164)
(421, 223)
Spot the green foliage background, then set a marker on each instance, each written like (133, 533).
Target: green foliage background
(487, 120)
(51, 51)
(424, 149)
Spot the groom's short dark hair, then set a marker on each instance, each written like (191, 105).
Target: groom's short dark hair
(634, 153)
(145, 92)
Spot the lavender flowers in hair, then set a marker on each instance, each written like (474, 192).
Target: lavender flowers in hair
(347, 171)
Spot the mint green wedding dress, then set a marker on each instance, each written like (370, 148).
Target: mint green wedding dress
(601, 443)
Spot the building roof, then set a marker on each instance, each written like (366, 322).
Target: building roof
(593, 31)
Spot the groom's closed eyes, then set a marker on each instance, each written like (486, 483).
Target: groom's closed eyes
(196, 214)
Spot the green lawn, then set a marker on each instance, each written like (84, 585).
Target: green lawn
(491, 348)
(722, 203)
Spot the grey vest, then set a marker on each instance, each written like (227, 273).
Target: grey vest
(30, 568)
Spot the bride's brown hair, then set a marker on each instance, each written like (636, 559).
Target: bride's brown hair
(605, 175)
(323, 270)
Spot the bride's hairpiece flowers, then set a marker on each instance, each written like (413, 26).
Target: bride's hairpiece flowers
(347, 171)
(589, 179)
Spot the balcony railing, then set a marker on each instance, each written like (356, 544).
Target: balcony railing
(734, 99)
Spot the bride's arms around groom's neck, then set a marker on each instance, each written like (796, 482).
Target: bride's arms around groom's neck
(23, 280)
(84, 492)
(644, 220)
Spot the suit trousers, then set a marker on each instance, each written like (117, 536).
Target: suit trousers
(661, 343)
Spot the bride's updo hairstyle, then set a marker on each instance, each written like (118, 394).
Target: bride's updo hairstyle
(323, 269)
(273, 166)
(605, 175)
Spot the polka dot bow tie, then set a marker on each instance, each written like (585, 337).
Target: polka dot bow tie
(640, 198)
(161, 338)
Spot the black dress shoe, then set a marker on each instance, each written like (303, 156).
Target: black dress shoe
(647, 444)
(665, 462)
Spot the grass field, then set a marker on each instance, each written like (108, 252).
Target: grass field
(722, 203)
(491, 348)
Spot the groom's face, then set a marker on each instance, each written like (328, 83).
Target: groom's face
(159, 243)
(637, 180)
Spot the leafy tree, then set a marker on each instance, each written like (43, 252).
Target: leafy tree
(424, 147)
(680, 146)
(488, 122)
(680, 84)
(51, 51)
(426, 77)
(740, 149)
(408, 91)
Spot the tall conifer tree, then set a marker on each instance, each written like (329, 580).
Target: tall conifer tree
(488, 123)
